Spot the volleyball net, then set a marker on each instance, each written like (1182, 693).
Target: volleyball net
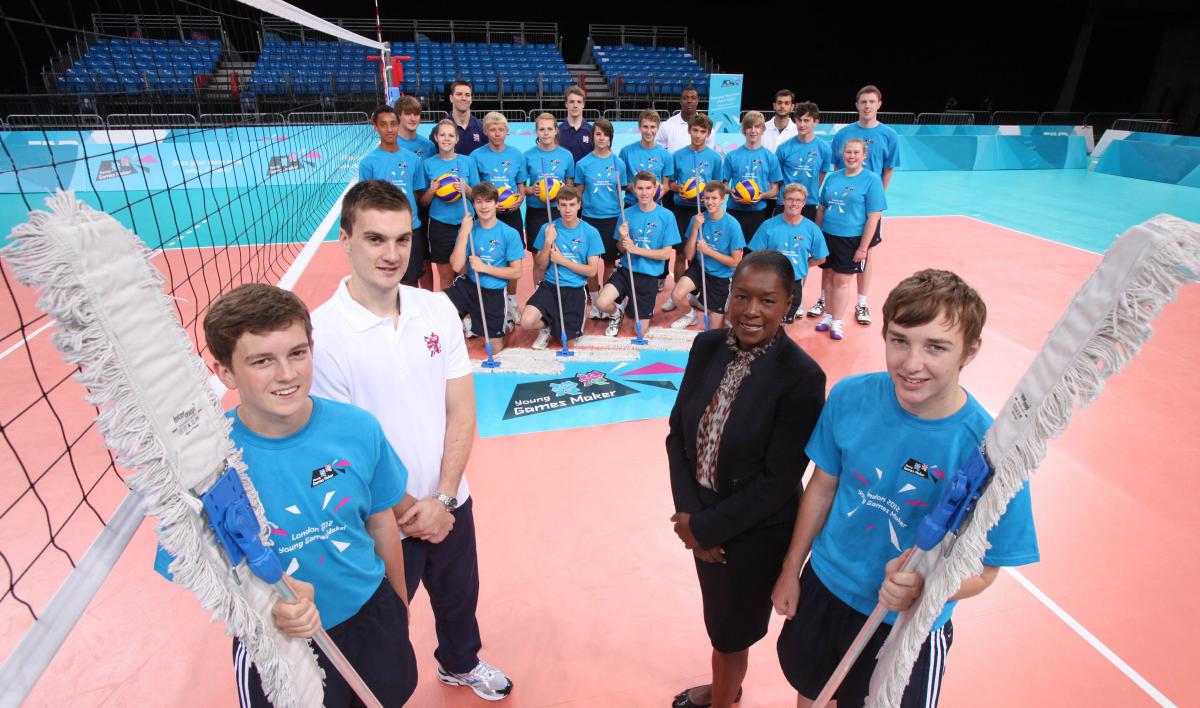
(220, 198)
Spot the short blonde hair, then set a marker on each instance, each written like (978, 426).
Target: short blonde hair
(795, 187)
(752, 118)
(493, 118)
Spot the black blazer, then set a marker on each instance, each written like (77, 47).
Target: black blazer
(761, 461)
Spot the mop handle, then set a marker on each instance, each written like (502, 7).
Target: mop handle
(864, 636)
(487, 340)
(703, 271)
(637, 320)
(557, 286)
(335, 656)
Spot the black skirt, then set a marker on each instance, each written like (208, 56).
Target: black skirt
(737, 595)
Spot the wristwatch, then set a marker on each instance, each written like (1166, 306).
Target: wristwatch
(449, 502)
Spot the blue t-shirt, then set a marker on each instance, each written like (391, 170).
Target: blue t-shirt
(848, 200)
(556, 162)
(649, 229)
(760, 165)
(892, 469)
(420, 145)
(460, 166)
(597, 178)
(725, 236)
(883, 146)
(656, 160)
(577, 244)
(803, 163)
(798, 242)
(498, 246)
(317, 487)
(503, 169)
(688, 162)
(402, 168)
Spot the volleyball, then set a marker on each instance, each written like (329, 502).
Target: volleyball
(551, 183)
(746, 191)
(691, 188)
(506, 197)
(445, 187)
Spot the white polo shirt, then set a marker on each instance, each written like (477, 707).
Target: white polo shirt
(774, 137)
(398, 373)
(673, 134)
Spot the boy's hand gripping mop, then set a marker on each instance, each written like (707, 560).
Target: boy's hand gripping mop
(161, 418)
(562, 323)
(1102, 331)
(703, 272)
(490, 362)
(639, 340)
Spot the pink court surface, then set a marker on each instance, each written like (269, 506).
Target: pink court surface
(588, 599)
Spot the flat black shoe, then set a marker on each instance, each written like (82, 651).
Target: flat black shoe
(684, 700)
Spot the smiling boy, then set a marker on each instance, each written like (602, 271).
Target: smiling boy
(297, 453)
(883, 448)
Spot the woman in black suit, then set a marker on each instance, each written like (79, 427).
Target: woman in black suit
(746, 407)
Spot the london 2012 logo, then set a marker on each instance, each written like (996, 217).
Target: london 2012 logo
(556, 394)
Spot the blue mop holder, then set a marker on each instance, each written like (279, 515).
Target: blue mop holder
(236, 527)
(952, 512)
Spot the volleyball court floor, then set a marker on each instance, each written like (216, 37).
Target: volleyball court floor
(588, 599)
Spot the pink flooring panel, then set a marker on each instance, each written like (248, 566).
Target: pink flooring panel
(588, 600)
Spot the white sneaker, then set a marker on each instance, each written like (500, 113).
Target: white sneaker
(467, 327)
(669, 305)
(595, 313)
(487, 681)
(513, 313)
(686, 321)
(614, 324)
(543, 338)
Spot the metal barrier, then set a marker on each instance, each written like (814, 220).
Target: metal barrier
(20, 121)
(326, 117)
(1015, 117)
(959, 118)
(589, 114)
(1060, 118)
(514, 115)
(839, 116)
(1144, 126)
(151, 120)
(615, 114)
(896, 117)
(433, 116)
(215, 120)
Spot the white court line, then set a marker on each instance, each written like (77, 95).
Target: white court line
(1082, 631)
(296, 269)
(1026, 233)
(25, 340)
(1091, 639)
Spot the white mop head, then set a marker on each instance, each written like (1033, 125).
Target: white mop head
(1102, 331)
(158, 415)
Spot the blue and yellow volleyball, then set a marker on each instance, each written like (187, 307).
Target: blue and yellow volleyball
(549, 185)
(506, 197)
(445, 187)
(691, 188)
(746, 191)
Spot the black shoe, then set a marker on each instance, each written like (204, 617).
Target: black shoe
(684, 700)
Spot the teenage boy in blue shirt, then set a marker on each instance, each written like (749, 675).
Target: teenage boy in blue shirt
(393, 163)
(696, 160)
(496, 262)
(647, 155)
(568, 253)
(754, 162)
(805, 159)
(504, 166)
(545, 162)
(718, 236)
(796, 237)
(884, 447)
(883, 156)
(647, 238)
(347, 556)
(598, 175)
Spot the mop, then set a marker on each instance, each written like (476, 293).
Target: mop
(1102, 331)
(638, 340)
(161, 419)
(490, 362)
(703, 272)
(562, 323)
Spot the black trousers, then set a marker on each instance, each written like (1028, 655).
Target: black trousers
(450, 572)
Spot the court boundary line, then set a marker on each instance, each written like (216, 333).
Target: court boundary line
(1026, 233)
(1090, 638)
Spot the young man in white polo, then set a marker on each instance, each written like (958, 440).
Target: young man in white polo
(399, 353)
(781, 127)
